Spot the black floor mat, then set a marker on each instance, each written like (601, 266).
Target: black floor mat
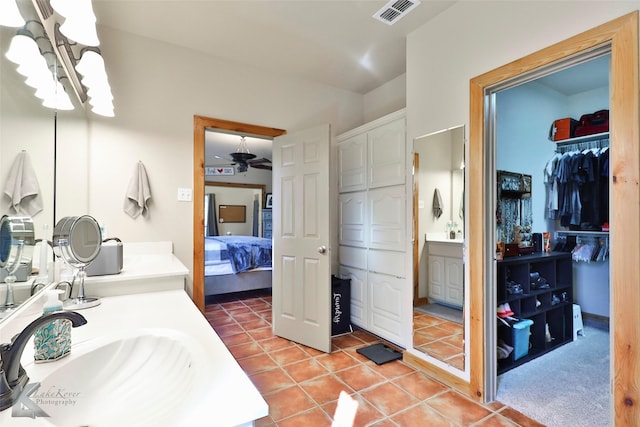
(379, 353)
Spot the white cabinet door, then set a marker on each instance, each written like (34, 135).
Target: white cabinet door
(386, 155)
(352, 218)
(373, 226)
(436, 274)
(358, 294)
(385, 306)
(387, 218)
(454, 278)
(352, 162)
(387, 262)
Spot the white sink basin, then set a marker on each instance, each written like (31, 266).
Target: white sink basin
(148, 377)
(148, 359)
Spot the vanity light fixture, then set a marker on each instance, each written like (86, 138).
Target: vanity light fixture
(25, 52)
(69, 26)
(72, 25)
(10, 15)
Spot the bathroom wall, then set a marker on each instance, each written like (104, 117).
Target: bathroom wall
(435, 173)
(158, 88)
(235, 196)
(471, 38)
(391, 96)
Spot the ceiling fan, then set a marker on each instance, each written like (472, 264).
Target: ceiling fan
(242, 158)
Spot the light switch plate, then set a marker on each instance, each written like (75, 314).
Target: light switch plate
(184, 194)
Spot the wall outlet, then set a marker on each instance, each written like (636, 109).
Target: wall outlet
(184, 194)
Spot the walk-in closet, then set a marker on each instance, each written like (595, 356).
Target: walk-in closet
(552, 252)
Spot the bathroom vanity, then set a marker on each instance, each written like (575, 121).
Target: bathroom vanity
(147, 267)
(145, 357)
(445, 270)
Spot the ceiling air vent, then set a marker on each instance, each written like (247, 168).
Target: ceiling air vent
(394, 10)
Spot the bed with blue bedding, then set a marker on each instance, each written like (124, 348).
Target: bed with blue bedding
(236, 263)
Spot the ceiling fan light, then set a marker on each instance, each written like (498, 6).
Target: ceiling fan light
(10, 14)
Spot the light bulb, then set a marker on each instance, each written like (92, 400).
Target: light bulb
(10, 14)
(22, 49)
(80, 21)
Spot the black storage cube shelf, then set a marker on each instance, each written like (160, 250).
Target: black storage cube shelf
(340, 306)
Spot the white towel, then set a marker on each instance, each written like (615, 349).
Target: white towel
(136, 201)
(22, 187)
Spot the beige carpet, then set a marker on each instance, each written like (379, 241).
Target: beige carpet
(567, 387)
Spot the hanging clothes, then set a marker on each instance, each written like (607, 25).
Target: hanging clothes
(577, 187)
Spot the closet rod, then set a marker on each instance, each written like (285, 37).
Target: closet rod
(582, 145)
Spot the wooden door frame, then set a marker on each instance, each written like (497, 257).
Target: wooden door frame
(622, 35)
(417, 301)
(200, 124)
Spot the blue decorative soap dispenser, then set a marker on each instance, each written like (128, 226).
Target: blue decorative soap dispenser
(53, 341)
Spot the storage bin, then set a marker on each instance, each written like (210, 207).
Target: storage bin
(563, 129)
(521, 338)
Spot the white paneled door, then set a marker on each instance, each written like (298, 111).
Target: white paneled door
(301, 258)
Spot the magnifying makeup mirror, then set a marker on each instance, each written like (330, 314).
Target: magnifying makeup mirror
(17, 240)
(77, 240)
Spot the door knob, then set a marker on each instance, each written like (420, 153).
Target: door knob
(322, 249)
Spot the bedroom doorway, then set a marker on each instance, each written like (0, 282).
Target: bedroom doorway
(200, 126)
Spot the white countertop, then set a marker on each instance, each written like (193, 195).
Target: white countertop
(148, 266)
(453, 241)
(148, 295)
(441, 238)
(230, 399)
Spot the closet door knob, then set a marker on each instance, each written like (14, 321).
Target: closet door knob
(322, 249)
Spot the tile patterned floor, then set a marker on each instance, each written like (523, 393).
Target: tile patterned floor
(302, 385)
(439, 338)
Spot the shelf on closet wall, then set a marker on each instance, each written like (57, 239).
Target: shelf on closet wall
(582, 233)
(586, 138)
(556, 268)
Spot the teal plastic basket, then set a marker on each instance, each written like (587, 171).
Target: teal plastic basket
(521, 338)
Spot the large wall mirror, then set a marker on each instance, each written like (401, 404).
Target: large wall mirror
(54, 141)
(438, 300)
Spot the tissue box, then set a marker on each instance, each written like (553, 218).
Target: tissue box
(23, 273)
(108, 261)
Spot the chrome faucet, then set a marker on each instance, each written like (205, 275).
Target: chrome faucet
(13, 377)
